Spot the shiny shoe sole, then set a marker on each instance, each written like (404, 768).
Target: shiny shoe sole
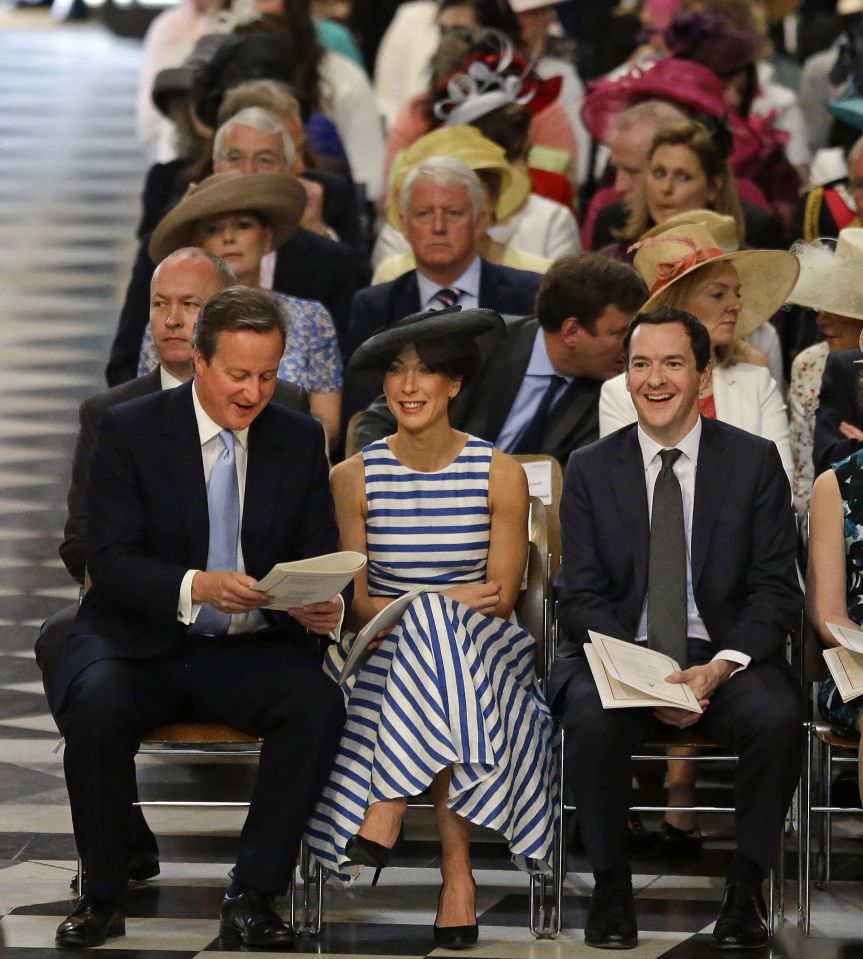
(234, 935)
(729, 946)
(621, 944)
(114, 931)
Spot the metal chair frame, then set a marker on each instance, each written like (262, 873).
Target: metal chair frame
(306, 890)
(546, 890)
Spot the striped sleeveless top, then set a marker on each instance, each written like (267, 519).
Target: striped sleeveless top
(426, 529)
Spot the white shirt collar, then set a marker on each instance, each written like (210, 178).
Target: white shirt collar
(207, 427)
(168, 381)
(688, 446)
(468, 282)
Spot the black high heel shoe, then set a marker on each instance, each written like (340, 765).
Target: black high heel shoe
(366, 852)
(455, 937)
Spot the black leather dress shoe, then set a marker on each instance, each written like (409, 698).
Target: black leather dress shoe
(611, 918)
(90, 923)
(250, 919)
(742, 920)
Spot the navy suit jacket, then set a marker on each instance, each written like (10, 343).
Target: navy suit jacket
(837, 402)
(501, 288)
(148, 521)
(744, 544)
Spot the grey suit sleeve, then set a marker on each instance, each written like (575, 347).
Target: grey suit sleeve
(376, 423)
(73, 549)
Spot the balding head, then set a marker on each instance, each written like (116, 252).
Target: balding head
(181, 284)
(630, 147)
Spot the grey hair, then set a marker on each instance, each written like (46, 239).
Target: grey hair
(264, 121)
(225, 274)
(448, 172)
(656, 112)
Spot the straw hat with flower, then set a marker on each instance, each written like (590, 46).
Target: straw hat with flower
(673, 252)
(467, 144)
(278, 198)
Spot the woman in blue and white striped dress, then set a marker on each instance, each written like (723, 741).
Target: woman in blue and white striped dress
(448, 700)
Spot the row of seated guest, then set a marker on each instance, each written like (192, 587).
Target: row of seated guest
(242, 219)
(149, 572)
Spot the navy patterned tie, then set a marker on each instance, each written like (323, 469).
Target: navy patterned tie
(445, 298)
(666, 570)
(530, 440)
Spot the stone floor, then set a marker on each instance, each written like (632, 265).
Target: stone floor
(70, 174)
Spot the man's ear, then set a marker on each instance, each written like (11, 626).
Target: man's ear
(198, 360)
(570, 331)
(704, 381)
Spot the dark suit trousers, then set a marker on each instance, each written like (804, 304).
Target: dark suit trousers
(757, 713)
(259, 683)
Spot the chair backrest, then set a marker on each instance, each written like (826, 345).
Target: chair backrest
(537, 528)
(531, 605)
(553, 488)
(351, 433)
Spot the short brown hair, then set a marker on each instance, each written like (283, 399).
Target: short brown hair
(583, 285)
(236, 308)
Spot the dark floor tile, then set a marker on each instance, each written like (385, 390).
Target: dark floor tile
(105, 952)
(25, 845)
(14, 703)
(31, 578)
(19, 782)
(28, 606)
(700, 947)
(145, 901)
(17, 638)
(369, 939)
(15, 732)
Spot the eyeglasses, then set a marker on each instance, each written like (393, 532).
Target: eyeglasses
(264, 162)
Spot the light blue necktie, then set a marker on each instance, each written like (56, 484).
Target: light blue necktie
(223, 504)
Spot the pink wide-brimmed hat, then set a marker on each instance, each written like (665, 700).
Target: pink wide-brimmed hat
(684, 83)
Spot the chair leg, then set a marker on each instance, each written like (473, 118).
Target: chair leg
(546, 892)
(828, 817)
(79, 879)
(804, 836)
(307, 895)
(771, 903)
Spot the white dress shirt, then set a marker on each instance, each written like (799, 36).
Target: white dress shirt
(168, 381)
(467, 286)
(685, 469)
(211, 449)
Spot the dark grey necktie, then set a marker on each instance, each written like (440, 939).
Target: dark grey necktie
(666, 571)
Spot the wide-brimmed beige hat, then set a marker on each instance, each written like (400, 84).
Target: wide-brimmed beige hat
(830, 279)
(467, 144)
(278, 197)
(766, 276)
(723, 228)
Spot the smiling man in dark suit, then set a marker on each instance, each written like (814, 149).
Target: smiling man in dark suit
(678, 532)
(563, 355)
(194, 494)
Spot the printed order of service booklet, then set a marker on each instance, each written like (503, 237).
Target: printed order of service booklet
(629, 675)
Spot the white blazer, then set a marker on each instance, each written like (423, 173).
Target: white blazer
(745, 396)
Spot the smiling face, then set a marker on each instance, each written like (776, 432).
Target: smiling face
(240, 239)
(676, 183)
(441, 228)
(417, 396)
(240, 378)
(663, 381)
(716, 301)
(177, 291)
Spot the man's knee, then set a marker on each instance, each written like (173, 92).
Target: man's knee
(99, 699)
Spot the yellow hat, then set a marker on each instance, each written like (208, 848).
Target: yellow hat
(467, 144)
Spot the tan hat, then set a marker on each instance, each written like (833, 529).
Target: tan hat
(722, 228)
(830, 279)
(467, 144)
(766, 276)
(278, 197)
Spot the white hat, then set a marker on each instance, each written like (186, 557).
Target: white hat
(830, 279)
(521, 6)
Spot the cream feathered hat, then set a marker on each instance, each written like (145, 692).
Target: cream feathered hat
(830, 278)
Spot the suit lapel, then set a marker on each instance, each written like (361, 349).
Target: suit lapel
(187, 467)
(405, 297)
(627, 481)
(712, 482)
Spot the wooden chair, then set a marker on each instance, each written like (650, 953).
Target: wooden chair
(552, 508)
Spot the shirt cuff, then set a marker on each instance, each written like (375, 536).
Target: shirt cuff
(336, 634)
(187, 611)
(733, 656)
